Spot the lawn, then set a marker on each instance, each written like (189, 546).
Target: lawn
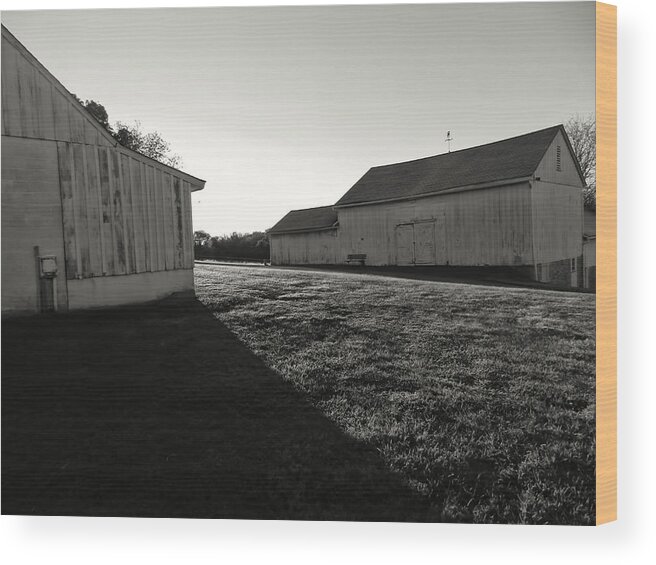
(480, 398)
(295, 394)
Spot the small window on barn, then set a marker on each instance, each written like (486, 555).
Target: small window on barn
(558, 161)
(572, 265)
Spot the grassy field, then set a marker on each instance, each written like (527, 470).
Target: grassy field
(292, 394)
(160, 411)
(480, 398)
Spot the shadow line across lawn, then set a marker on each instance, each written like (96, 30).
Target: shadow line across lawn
(159, 410)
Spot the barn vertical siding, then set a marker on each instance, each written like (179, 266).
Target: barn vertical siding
(558, 221)
(109, 215)
(118, 220)
(309, 248)
(159, 218)
(477, 227)
(557, 205)
(11, 117)
(117, 213)
(563, 172)
(109, 247)
(65, 170)
(31, 204)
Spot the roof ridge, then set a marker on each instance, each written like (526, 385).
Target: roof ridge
(311, 208)
(558, 126)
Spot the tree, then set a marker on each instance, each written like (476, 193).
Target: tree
(582, 132)
(97, 110)
(151, 144)
(201, 238)
(235, 246)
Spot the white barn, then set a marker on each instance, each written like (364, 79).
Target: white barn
(85, 221)
(516, 202)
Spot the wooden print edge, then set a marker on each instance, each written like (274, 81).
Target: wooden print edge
(606, 378)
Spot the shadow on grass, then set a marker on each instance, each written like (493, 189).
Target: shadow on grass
(160, 411)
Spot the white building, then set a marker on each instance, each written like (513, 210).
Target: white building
(85, 221)
(516, 202)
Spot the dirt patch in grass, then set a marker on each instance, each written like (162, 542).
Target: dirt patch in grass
(480, 398)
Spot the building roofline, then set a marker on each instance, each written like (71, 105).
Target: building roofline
(554, 127)
(302, 230)
(450, 190)
(274, 231)
(311, 208)
(80, 108)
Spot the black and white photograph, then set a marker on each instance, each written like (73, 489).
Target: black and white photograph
(317, 263)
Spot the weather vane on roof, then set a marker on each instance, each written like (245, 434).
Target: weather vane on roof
(448, 139)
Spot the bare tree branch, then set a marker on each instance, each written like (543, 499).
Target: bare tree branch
(582, 132)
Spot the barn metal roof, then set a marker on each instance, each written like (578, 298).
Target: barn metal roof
(513, 158)
(308, 219)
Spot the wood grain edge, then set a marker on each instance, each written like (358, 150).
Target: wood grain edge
(606, 380)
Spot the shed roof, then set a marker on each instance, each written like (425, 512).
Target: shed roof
(516, 157)
(308, 219)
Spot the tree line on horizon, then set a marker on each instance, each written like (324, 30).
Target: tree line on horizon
(253, 246)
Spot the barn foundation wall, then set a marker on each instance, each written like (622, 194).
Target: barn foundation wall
(128, 289)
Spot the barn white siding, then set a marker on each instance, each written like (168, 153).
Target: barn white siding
(548, 169)
(558, 221)
(31, 217)
(70, 191)
(589, 263)
(36, 105)
(557, 205)
(309, 248)
(474, 227)
(517, 202)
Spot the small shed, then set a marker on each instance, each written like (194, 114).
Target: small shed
(305, 237)
(85, 221)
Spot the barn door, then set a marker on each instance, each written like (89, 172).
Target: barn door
(425, 243)
(405, 252)
(440, 240)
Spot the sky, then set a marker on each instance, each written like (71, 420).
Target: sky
(282, 108)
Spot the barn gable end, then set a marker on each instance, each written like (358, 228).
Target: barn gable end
(559, 165)
(115, 224)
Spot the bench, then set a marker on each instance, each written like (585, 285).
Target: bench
(356, 258)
